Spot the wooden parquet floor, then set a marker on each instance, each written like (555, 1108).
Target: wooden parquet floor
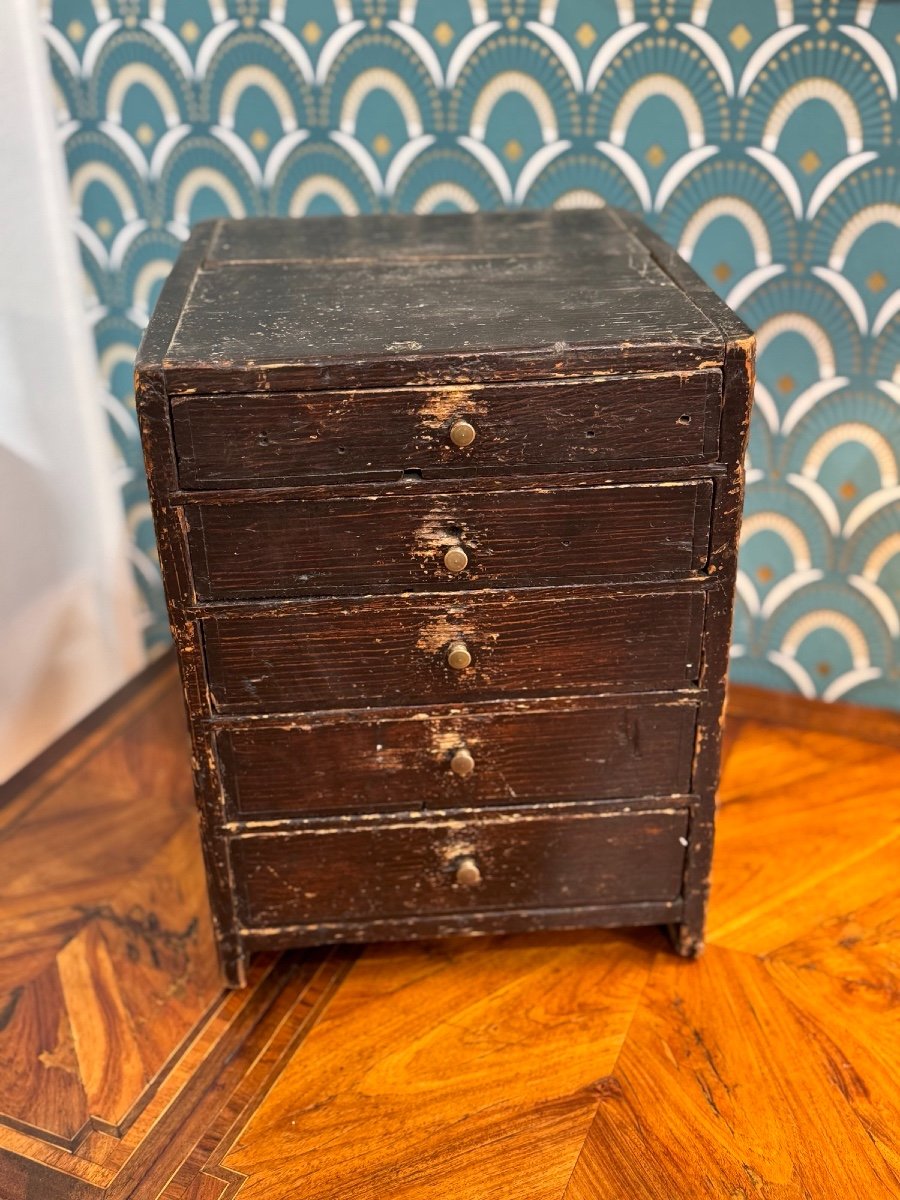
(584, 1066)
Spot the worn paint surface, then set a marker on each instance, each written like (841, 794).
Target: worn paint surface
(599, 504)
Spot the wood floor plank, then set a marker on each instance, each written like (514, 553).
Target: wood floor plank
(809, 829)
(451, 1068)
(742, 1078)
(582, 1065)
(862, 943)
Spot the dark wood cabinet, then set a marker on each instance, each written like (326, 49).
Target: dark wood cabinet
(447, 510)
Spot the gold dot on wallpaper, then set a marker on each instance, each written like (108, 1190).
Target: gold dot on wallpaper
(259, 139)
(661, 24)
(248, 22)
(75, 30)
(381, 144)
(190, 31)
(443, 33)
(375, 22)
(809, 161)
(104, 227)
(740, 37)
(786, 383)
(513, 150)
(512, 22)
(848, 489)
(722, 271)
(823, 26)
(311, 32)
(877, 281)
(585, 35)
(145, 134)
(764, 574)
(655, 155)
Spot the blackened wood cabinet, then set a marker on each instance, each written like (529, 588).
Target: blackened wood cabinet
(447, 511)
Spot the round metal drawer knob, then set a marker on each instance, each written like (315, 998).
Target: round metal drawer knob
(468, 873)
(458, 656)
(462, 433)
(462, 763)
(456, 560)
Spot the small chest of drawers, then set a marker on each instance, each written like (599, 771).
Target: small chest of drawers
(447, 511)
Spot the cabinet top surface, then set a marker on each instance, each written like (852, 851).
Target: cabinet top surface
(388, 299)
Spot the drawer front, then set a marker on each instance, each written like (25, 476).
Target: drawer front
(398, 541)
(289, 439)
(395, 651)
(568, 751)
(526, 860)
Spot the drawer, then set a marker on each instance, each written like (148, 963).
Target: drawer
(565, 751)
(379, 652)
(398, 540)
(511, 861)
(288, 439)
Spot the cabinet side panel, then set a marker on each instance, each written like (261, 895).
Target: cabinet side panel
(152, 405)
(737, 399)
(728, 502)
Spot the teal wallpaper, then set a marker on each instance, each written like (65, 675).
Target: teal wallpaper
(760, 138)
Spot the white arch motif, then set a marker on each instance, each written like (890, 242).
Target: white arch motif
(807, 328)
(815, 88)
(859, 223)
(206, 177)
(116, 355)
(828, 618)
(864, 435)
(527, 87)
(658, 84)
(380, 79)
(322, 185)
(728, 206)
(445, 192)
(789, 532)
(144, 74)
(266, 81)
(150, 273)
(881, 556)
(103, 173)
(579, 198)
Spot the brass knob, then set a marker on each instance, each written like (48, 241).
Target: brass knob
(456, 560)
(467, 873)
(458, 656)
(462, 433)
(462, 763)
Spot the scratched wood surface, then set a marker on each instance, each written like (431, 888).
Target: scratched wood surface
(282, 439)
(293, 590)
(571, 1066)
(396, 542)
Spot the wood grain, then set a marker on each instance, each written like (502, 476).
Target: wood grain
(596, 565)
(332, 654)
(469, 1087)
(801, 1103)
(538, 751)
(565, 1066)
(406, 314)
(395, 539)
(282, 440)
(570, 856)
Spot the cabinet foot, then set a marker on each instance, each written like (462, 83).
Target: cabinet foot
(687, 939)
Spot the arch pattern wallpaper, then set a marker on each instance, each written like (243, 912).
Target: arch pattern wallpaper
(759, 138)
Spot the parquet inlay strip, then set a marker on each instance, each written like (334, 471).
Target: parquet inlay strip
(564, 1066)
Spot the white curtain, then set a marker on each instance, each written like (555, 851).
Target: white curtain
(69, 614)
